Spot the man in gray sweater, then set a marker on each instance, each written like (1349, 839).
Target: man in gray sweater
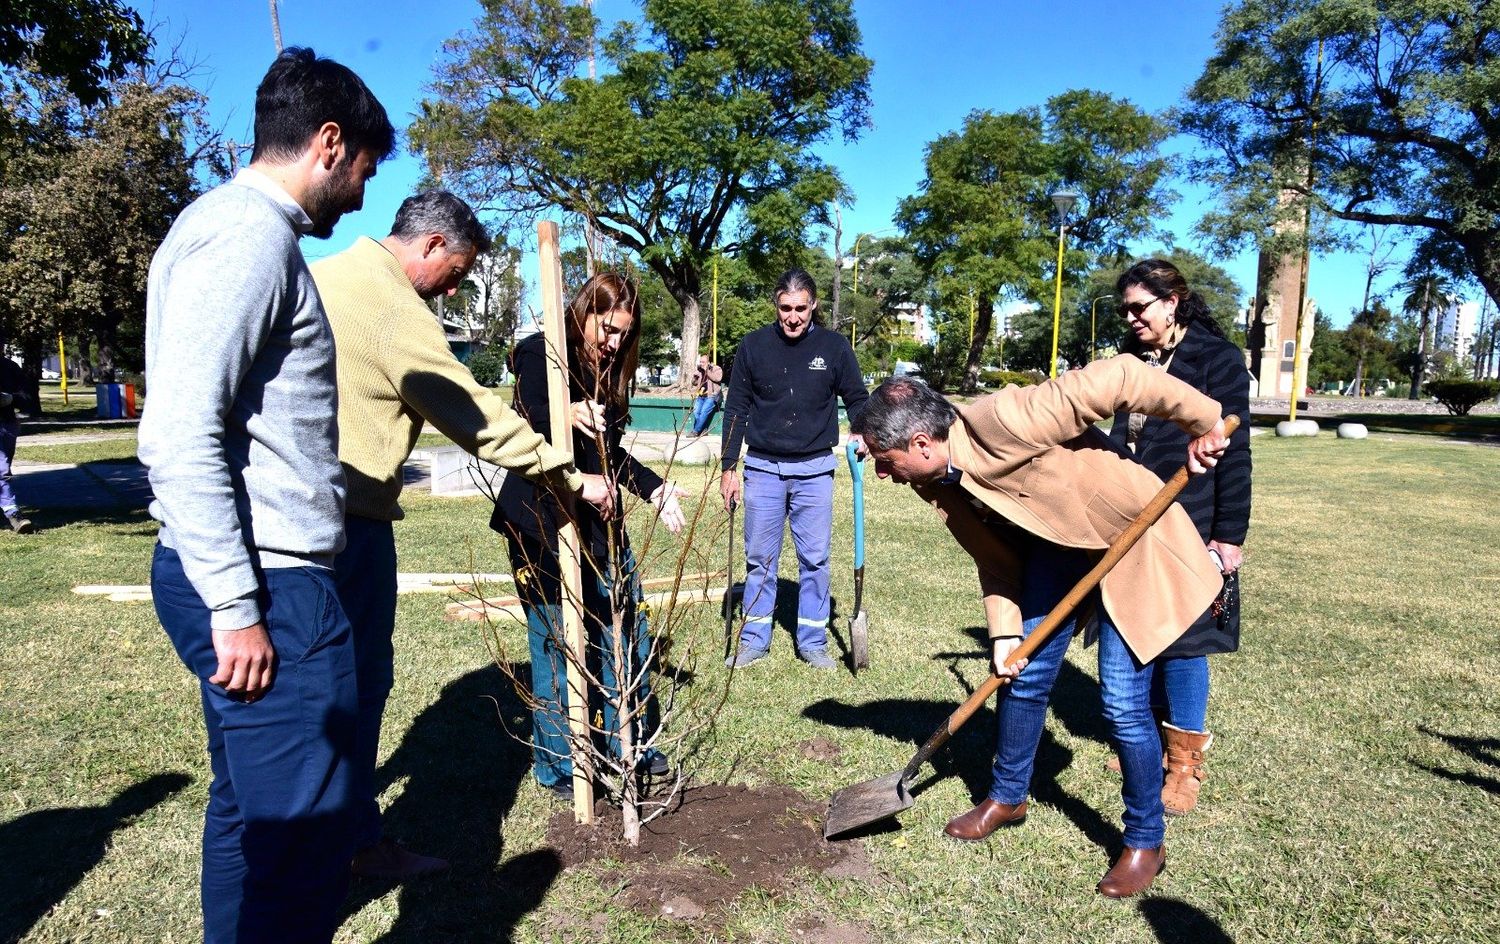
(241, 443)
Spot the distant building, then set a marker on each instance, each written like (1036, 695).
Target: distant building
(1457, 328)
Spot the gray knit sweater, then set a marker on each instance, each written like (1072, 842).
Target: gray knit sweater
(240, 433)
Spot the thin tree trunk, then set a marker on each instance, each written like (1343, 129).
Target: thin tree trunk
(1419, 369)
(276, 26)
(983, 322)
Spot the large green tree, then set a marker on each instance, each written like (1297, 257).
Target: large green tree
(1365, 111)
(983, 225)
(1030, 347)
(695, 137)
(81, 217)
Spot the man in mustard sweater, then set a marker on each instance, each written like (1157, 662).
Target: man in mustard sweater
(395, 372)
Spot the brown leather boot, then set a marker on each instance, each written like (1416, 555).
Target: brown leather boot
(1133, 872)
(1185, 769)
(984, 819)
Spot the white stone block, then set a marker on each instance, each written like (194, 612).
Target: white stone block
(1353, 431)
(456, 473)
(693, 452)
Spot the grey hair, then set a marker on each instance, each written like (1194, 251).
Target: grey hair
(900, 408)
(438, 211)
(795, 280)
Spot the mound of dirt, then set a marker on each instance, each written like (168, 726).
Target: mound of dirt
(714, 843)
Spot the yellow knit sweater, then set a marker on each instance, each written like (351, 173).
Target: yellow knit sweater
(395, 371)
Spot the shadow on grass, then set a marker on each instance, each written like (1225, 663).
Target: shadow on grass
(968, 755)
(1484, 750)
(462, 771)
(104, 491)
(1174, 921)
(48, 852)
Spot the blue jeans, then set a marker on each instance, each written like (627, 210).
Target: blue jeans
(278, 833)
(771, 501)
(703, 413)
(1180, 686)
(365, 571)
(552, 762)
(1050, 572)
(9, 430)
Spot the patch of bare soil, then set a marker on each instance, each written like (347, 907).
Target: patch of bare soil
(820, 749)
(712, 845)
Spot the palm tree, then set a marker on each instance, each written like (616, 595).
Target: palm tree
(1428, 292)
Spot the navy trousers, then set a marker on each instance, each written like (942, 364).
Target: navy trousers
(278, 831)
(365, 571)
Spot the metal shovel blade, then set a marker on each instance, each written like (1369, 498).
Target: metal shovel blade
(866, 803)
(859, 640)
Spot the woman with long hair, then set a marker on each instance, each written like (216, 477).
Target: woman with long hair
(1171, 328)
(603, 338)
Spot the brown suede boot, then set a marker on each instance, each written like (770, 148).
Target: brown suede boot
(984, 819)
(1133, 872)
(1185, 768)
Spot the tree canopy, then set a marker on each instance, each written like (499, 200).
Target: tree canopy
(85, 45)
(695, 137)
(84, 209)
(983, 224)
(1376, 111)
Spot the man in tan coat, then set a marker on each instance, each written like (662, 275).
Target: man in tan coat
(1032, 491)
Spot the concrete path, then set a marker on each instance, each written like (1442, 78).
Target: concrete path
(120, 485)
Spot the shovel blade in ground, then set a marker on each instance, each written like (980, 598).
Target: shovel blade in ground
(866, 803)
(859, 640)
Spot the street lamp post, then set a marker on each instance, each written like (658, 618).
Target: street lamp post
(1093, 326)
(1064, 201)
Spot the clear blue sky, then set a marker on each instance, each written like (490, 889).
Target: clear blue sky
(934, 63)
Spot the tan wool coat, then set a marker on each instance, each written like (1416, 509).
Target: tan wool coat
(1033, 456)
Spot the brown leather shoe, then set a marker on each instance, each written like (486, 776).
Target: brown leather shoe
(984, 819)
(1133, 872)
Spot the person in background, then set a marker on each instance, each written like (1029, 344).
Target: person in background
(603, 337)
(13, 399)
(707, 381)
(395, 374)
(240, 443)
(1171, 330)
(783, 400)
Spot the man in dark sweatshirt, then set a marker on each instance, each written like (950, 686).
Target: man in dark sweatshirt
(783, 403)
(14, 397)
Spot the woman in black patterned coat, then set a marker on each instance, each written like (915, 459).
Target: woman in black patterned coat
(1170, 328)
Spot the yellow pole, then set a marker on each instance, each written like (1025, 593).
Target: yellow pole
(973, 313)
(1062, 231)
(62, 367)
(714, 344)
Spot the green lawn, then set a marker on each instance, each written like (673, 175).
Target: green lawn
(1354, 793)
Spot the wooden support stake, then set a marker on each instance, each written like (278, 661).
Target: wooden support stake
(558, 398)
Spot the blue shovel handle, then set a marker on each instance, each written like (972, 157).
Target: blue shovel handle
(857, 471)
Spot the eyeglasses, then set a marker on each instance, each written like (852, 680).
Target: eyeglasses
(1134, 309)
(799, 309)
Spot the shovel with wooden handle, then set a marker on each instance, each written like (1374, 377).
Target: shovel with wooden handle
(874, 800)
(859, 623)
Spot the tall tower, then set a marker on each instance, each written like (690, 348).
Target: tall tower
(1271, 335)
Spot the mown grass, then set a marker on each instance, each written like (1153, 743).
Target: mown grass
(1353, 794)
